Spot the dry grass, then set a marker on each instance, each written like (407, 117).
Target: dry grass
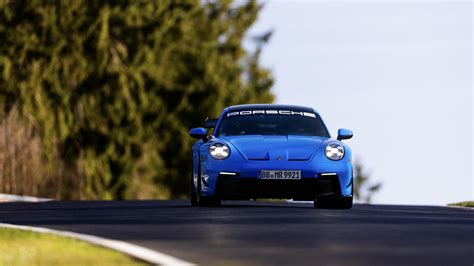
(21, 165)
(27, 169)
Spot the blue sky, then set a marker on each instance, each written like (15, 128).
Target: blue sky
(399, 74)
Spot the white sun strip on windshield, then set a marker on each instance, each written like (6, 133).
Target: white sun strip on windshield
(271, 112)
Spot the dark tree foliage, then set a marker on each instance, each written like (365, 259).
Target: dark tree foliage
(364, 189)
(114, 86)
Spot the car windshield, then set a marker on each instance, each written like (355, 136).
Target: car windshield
(290, 123)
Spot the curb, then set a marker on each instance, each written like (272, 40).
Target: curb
(144, 254)
(461, 207)
(10, 198)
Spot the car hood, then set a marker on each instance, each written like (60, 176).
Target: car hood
(288, 148)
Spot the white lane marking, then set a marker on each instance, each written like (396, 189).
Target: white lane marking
(142, 253)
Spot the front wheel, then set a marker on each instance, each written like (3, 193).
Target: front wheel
(197, 199)
(334, 203)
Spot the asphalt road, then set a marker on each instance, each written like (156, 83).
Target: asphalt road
(263, 233)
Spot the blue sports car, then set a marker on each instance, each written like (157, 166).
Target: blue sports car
(271, 151)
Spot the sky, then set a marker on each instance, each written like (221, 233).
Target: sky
(399, 74)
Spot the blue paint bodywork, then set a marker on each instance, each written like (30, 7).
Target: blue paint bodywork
(249, 154)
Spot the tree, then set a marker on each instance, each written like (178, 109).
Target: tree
(363, 188)
(113, 86)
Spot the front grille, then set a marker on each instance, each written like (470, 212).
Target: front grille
(231, 187)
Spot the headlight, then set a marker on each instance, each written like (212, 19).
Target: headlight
(219, 151)
(334, 151)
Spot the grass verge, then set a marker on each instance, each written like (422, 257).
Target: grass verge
(463, 204)
(20, 247)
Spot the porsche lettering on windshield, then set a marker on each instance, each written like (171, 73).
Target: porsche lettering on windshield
(271, 122)
(271, 112)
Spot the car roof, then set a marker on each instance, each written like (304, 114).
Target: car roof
(244, 107)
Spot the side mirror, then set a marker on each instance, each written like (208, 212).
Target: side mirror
(198, 133)
(210, 123)
(344, 134)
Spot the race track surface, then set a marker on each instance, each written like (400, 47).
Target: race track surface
(268, 233)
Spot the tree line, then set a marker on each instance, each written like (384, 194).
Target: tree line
(97, 97)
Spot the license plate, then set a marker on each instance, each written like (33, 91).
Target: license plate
(280, 174)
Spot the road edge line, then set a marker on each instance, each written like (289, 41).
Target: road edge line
(142, 253)
(460, 207)
(21, 198)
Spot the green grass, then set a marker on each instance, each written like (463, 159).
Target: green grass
(20, 247)
(463, 204)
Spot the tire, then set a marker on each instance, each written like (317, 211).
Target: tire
(197, 199)
(334, 203)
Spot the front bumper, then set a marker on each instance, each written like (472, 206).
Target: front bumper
(234, 187)
(315, 182)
